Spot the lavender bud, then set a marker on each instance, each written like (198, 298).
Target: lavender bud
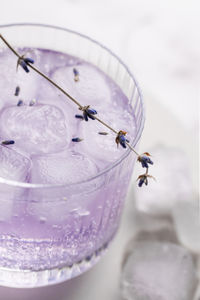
(103, 133)
(76, 74)
(20, 103)
(79, 117)
(77, 140)
(17, 90)
(8, 142)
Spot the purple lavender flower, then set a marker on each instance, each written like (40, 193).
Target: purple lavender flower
(88, 112)
(103, 133)
(143, 179)
(77, 140)
(120, 139)
(79, 117)
(20, 103)
(76, 74)
(145, 160)
(23, 62)
(17, 90)
(8, 142)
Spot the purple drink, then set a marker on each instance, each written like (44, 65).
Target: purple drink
(60, 201)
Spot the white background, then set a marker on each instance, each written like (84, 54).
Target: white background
(160, 42)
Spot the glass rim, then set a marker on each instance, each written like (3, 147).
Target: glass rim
(111, 165)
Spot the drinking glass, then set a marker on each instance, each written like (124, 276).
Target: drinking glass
(56, 232)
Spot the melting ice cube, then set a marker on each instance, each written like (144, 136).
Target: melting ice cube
(35, 129)
(104, 147)
(91, 88)
(60, 168)
(29, 83)
(186, 215)
(13, 166)
(158, 271)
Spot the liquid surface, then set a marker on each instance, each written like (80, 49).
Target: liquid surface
(43, 132)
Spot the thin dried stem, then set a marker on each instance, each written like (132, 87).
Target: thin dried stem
(62, 90)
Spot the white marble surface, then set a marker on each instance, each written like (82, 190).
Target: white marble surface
(160, 42)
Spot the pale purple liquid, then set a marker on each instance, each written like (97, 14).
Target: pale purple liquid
(50, 228)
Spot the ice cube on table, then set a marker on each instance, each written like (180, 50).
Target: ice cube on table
(186, 216)
(49, 95)
(60, 168)
(103, 148)
(158, 271)
(91, 88)
(15, 167)
(35, 129)
(197, 294)
(172, 183)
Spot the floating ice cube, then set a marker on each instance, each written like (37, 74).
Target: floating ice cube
(172, 183)
(91, 88)
(186, 217)
(60, 168)
(158, 271)
(49, 95)
(35, 129)
(104, 147)
(13, 166)
(29, 83)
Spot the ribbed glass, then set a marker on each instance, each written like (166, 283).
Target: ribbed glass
(35, 248)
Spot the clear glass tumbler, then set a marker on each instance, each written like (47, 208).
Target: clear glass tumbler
(37, 248)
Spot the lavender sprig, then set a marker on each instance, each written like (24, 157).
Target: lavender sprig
(88, 113)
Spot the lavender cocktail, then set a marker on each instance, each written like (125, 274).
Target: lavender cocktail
(63, 182)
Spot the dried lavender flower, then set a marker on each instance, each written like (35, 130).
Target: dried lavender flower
(76, 74)
(145, 160)
(88, 112)
(143, 179)
(120, 139)
(17, 90)
(23, 62)
(8, 142)
(79, 117)
(103, 133)
(77, 140)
